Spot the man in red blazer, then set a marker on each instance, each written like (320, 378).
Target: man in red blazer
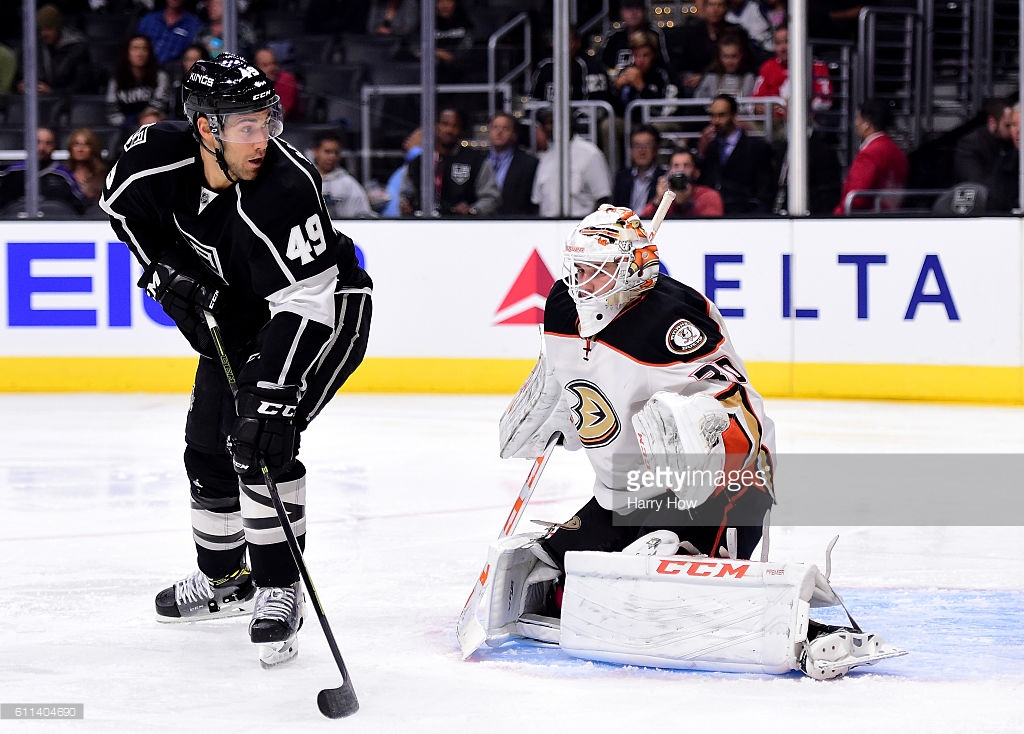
(879, 163)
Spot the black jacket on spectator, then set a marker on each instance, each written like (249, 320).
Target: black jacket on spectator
(622, 186)
(515, 192)
(459, 173)
(66, 66)
(747, 182)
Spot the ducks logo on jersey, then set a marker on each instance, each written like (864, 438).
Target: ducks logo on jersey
(592, 414)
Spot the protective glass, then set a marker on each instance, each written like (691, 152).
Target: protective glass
(251, 127)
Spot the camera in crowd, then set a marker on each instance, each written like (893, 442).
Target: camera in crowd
(678, 181)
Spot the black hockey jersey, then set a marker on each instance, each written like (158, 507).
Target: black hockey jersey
(268, 244)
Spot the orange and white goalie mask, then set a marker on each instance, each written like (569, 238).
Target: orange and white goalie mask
(608, 262)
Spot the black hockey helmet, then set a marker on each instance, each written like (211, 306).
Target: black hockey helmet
(227, 85)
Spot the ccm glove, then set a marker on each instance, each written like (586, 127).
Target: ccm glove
(183, 297)
(265, 427)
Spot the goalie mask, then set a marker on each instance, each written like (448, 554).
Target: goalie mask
(608, 262)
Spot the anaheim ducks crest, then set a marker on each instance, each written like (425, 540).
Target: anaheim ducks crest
(684, 337)
(592, 414)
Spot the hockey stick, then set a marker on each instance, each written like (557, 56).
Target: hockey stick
(470, 632)
(659, 216)
(333, 703)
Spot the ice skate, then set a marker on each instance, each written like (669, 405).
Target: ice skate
(276, 620)
(198, 597)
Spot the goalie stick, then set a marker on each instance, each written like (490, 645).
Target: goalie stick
(659, 216)
(470, 632)
(333, 703)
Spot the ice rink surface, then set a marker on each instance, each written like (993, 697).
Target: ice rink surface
(404, 495)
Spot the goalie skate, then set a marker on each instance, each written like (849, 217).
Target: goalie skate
(198, 597)
(837, 650)
(276, 619)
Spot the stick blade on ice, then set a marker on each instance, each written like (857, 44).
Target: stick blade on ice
(337, 703)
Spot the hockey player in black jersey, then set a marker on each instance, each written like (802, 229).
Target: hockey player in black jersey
(225, 216)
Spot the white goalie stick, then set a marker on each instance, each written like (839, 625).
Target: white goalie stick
(659, 216)
(470, 632)
(333, 703)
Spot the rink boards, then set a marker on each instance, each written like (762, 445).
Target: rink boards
(896, 308)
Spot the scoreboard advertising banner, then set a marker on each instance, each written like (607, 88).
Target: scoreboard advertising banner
(895, 308)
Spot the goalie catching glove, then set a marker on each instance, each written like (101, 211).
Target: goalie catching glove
(682, 438)
(265, 427)
(184, 298)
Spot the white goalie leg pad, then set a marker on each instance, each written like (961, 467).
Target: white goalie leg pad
(516, 591)
(695, 613)
(536, 412)
(681, 441)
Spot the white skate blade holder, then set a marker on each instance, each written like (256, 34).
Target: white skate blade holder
(273, 654)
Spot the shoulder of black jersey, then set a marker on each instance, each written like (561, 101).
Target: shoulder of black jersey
(162, 145)
(672, 323)
(560, 312)
(288, 187)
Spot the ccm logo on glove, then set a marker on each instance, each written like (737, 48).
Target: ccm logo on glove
(285, 411)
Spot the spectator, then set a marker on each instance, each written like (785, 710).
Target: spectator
(171, 30)
(736, 164)
(879, 163)
(464, 179)
(85, 161)
(453, 38)
(150, 115)
(63, 65)
(137, 83)
(775, 12)
(692, 198)
(413, 147)
(344, 196)
(285, 84)
(749, 15)
(773, 81)
(646, 77)
(399, 18)
(56, 182)
(589, 179)
(514, 168)
(694, 47)
(587, 78)
(978, 153)
(634, 185)
(724, 76)
(1004, 195)
(616, 53)
(211, 34)
(192, 54)
(8, 67)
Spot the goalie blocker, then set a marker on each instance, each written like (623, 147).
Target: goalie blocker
(647, 606)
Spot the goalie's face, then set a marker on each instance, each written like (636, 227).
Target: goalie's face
(589, 280)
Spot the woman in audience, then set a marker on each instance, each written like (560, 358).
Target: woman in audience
(85, 161)
(137, 83)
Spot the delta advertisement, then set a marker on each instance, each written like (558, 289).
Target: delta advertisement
(885, 308)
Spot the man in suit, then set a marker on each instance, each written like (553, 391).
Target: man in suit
(634, 184)
(514, 168)
(738, 166)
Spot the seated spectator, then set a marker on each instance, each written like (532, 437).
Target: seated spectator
(63, 64)
(453, 38)
(615, 53)
(138, 82)
(464, 179)
(776, 12)
(176, 104)
(724, 75)
(879, 163)
(773, 81)
(211, 34)
(56, 182)
(589, 179)
(150, 115)
(344, 196)
(646, 77)
(692, 198)
(694, 46)
(1004, 195)
(736, 164)
(979, 152)
(634, 184)
(514, 168)
(285, 84)
(587, 78)
(85, 161)
(171, 30)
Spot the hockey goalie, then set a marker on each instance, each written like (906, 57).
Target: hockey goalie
(638, 370)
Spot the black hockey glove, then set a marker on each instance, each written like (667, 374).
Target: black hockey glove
(183, 297)
(265, 427)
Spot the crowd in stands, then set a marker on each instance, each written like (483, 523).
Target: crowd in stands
(496, 165)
